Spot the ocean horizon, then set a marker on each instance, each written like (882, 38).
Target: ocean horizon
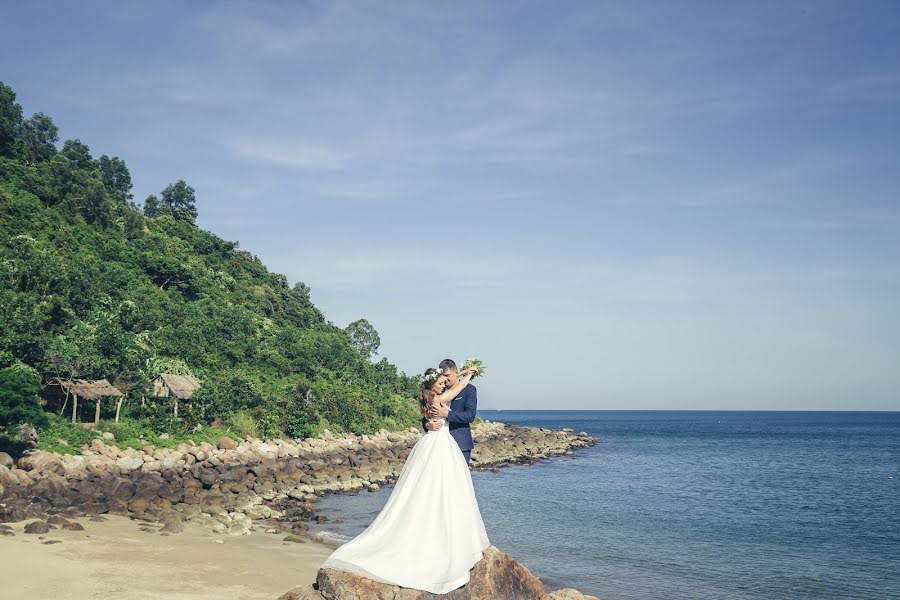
(732, 504)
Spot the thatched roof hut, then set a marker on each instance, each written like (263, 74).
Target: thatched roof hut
(83, 388)
(181, 387)
(57, 389)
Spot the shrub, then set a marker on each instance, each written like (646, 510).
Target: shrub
(62, 436)
(243, 424)
(19, 403)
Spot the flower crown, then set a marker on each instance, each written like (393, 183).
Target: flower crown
(431, 377)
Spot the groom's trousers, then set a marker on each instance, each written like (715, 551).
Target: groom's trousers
(468, 455)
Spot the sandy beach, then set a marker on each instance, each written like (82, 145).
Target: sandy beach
(116, 559)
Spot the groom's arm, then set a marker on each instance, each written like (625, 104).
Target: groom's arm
(470, 407)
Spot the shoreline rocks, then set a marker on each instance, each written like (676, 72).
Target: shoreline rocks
(231, 485)
(497, 576)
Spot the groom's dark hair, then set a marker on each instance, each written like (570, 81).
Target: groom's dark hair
(448, 363)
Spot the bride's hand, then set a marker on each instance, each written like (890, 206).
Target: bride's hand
(470, 371)
(438, 411)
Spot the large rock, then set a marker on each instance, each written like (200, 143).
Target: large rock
(37, 527)
(42, 462)
(497, 576)
(226, 443)
(130, 462)
(6, 460)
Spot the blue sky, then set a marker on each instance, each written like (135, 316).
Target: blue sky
(687, 205)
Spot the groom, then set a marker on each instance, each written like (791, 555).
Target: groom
(460, 413)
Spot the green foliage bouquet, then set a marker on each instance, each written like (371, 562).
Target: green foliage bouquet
(474, 363)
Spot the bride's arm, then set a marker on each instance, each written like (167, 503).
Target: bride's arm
(451, 393)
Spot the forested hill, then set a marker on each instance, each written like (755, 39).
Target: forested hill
(94, 285)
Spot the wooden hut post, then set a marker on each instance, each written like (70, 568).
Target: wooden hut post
(97, 412)
(62, 411)
(74, 406)
(176, 406)
(119, 406)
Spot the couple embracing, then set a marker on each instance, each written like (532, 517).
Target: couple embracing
(430, 533)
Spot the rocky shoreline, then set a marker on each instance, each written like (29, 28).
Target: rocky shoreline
(233, 486)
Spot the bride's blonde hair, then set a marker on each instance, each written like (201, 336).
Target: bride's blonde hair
(426, 394)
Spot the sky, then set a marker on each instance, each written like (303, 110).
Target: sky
(614, 205)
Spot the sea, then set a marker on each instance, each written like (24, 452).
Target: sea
(696, 505)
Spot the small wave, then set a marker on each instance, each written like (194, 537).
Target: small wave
(335, 538)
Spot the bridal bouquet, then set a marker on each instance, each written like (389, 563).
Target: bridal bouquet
(474, 363)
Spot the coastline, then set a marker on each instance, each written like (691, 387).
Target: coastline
(229, 491)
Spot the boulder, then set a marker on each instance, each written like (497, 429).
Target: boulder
(42, 462)
(7, 477)
(130, 462)
(226, 443)
(37, 527)
(497, 576)
(7, 461)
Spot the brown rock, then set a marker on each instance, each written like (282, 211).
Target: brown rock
(6, 460)
(41, 461)
(226, 443)
(497, 576)
(73, 526)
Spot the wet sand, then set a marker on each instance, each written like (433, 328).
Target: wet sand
(115, 559)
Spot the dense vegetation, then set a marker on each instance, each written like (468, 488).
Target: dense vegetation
(94, 285)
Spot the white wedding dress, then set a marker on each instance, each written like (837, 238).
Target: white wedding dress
(430, 534)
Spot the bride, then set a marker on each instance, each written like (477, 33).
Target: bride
(430, 534)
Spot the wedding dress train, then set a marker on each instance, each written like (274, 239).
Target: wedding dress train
(430, 533)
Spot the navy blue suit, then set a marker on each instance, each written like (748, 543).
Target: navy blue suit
(462, 413)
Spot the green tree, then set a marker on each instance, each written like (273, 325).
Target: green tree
(39, 135)
(116, 177)
(178, 200)
(19, 386)
(10, 119)
(363, 337)
(151, 206)
(78, 154)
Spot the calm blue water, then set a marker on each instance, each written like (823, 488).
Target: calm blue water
(694, 505)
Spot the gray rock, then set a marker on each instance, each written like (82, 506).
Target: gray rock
(108, 435)
(130, 462)
(172, 527)
(37, 527)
